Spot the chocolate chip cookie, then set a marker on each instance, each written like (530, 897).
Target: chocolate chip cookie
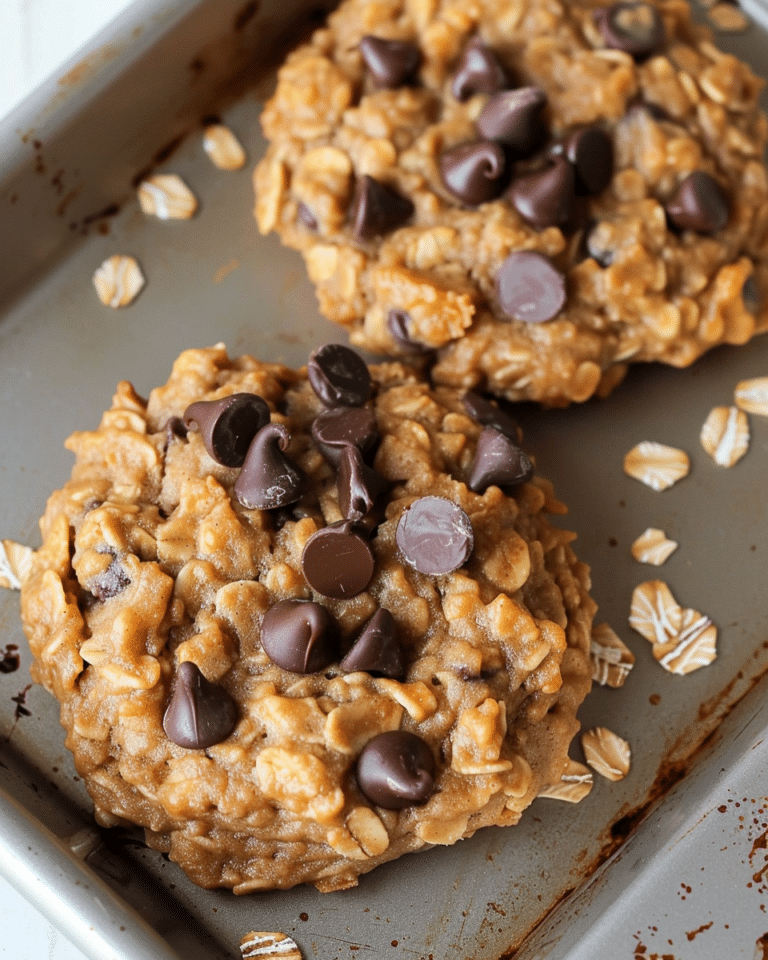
(302, 622)
(528, 195)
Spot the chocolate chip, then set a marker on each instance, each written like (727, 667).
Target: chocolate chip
(590, 150)
(398, 324)
(337, 562)
(228, 425)
(396, 769)
(339, 376)
(108, 584)
(435, 535)
(175, 429)
(634, 28)
(474, 172)
(268, 478)
(514, 118)
(490, 415)
(376, 209)
(529, 287)
(478, 71)
(377, 648)
(341, 427)
(699, 203)
(200, 713)
(304, 215)
(750, 294)
(498, 462)
(391, 63)
(545, 198)
(359, 485)
(299, 635)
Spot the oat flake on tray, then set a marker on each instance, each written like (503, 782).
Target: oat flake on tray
(611, 659)
(607, 753)
(683, 640)
(752, 396)
(725, 435)
(653, 547)
(656, 465)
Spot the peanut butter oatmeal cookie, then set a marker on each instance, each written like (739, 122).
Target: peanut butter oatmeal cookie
(534, 193)
(302, 622)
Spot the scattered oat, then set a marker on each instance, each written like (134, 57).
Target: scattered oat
(695, 645)
(655, 614)
(752, 396)
(118, 281)
(683, 640)
(166, 196)
(223, 147)
(574, 785)
(15, 564)
(725, 435)
(656, 465)
(610, 657)
(267, 946)
(606, 753)
(727, 17)
(653, 547)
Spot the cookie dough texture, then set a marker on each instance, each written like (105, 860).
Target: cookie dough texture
(637, 288)
(148, 560)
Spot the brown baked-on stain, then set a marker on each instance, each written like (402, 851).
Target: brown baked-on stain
(692, 934)
(762, 944)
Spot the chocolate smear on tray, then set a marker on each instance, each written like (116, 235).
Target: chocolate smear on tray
(396, 769)
(200, 713)
(228, 425)
(299, 635)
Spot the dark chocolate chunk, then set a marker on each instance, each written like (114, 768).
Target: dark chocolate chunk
(304, 215)
(391, 63)
(337, 562)
(339, 376)
(514, 118)
(529, 287)
(435, 535)
(175, 429)
(634, 28)
(109, 583)
(498, 462)
(474, 172)
(398, 322)
(396, 769)
(699, 203)
(200, 713)
(227, 426)
(750, 294)
(545, 198)
(341, 427)
(300, 636)
(590, 150)
(376, 209)
(359, 485)
(268, 478)
(478, 71)
(490, 415)
(377, 648)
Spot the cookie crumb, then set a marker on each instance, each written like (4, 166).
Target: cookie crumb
(752, 396)
(15, 564)
(725, 435)
(118, 281)
(610, 657)
(575, 783)
(607, 753)
(223, 147)
(167, 197)
(656, 465)
(267, 946)
(653, 547)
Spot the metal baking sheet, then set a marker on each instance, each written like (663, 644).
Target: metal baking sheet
(672, 861)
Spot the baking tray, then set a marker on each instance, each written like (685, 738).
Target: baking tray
(672, 860)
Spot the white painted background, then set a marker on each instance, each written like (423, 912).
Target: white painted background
(36, 37)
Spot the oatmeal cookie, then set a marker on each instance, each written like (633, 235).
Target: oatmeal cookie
(534, 193)
(302, 622)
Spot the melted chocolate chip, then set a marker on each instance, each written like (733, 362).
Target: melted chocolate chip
(634, 28)
(529, 287)
(359, 485)
(300, 636)
(474, 172)
(396, 769)
(228, 425)
(391, 63)
(337, 562)
(398, 324)
(545, 198)
(10, 661)
(515, 119)
(590, 150)
(435, 535)
(268, 478)
(490, 415)
(109, 583)
(341, 427)
(377, 648)
(200, 713)
(498, 462)
(304, 215)
(339, 376)
(377, 209)
(478, 71)
(699, 203)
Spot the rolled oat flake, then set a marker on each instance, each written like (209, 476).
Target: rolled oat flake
(529, 287)
(435, 535)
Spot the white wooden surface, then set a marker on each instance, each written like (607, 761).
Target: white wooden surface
(36, 37)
